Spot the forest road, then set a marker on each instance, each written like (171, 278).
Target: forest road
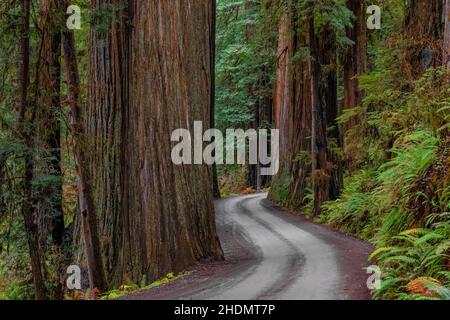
(273, 254)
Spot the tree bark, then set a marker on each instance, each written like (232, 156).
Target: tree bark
(50, 104)
(215, 181)
(48, 79)
(355, 59)
(446, 48)
(320, 178)
(24, 133)
(424, 34)
(292, 115)
(327, 57)
(91, 237)
(151, 73)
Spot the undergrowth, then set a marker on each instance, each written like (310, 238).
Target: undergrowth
(125, 289)
(398, 195)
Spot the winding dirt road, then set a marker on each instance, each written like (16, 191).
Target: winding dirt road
(272, 254)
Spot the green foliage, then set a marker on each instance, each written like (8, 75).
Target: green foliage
(245, 61)
(127, 289)
(352, 210)
(421, 253)
(16, 282)
(398, 197)
(280, 190)
(15, 274)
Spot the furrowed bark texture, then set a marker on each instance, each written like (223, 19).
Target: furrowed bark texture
(292, 115)
(355, 57)
(320, 178)
(424, 32)
(151, 73)
(354, 63)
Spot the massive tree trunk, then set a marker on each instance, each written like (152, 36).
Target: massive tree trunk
(292, 116)
(25, 118)
(424, 33)
(151, 73)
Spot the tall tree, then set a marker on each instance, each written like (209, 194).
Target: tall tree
(25, 119)
(292, 111)
(354, 60)
(154, 75)
(212, 39)
(90, 230)
(48, 100)
(320, 177)
(328, 95)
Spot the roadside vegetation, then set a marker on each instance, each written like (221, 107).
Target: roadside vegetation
(391, 158)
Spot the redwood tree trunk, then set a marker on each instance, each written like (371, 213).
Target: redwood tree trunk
(424, 33)
(321, 177)
(154, 75)
(355, 59)
(327, 56)
(292, 115)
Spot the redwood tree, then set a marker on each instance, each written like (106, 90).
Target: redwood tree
(321, 165)
(48, 104)
(292, 113)
(354, 60)
(151, 73)
(424, 33)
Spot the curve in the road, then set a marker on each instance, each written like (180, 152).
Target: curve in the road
(292, 263)
(271, 254)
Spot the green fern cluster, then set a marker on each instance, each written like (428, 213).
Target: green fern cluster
(421, 254)
(398, 195)
(375, 202)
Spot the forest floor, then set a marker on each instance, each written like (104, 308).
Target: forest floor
(273, 254)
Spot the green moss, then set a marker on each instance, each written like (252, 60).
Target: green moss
(127, 289)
